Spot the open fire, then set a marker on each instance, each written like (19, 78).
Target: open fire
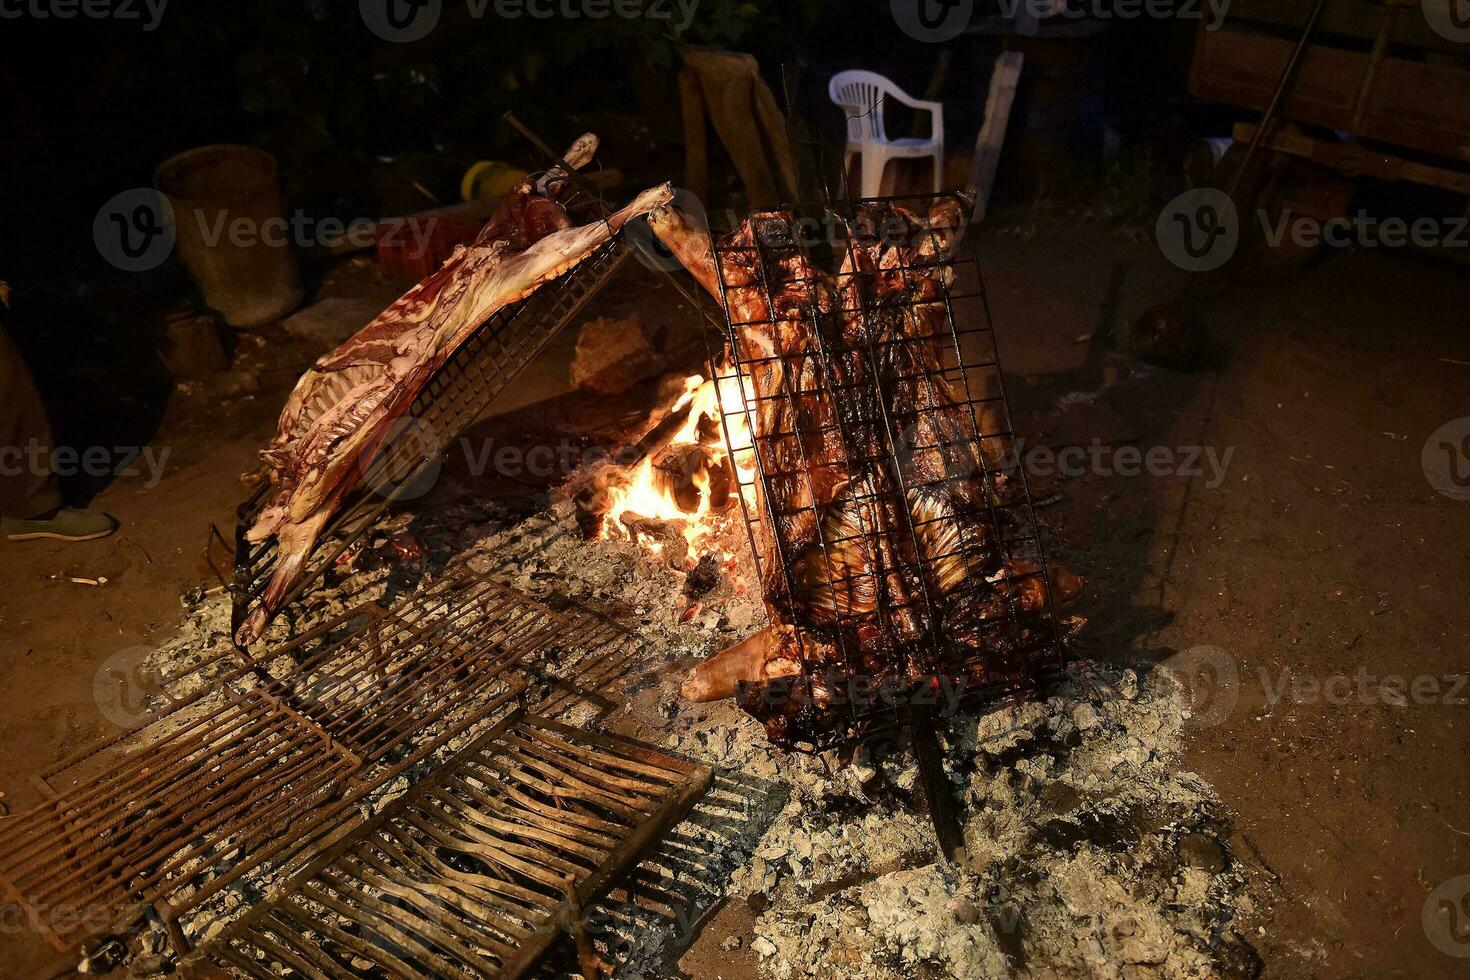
(693, 461)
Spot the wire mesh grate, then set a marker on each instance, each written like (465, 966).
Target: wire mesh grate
(252, 769)
(478, 868)
(452, 400)
(893, 531)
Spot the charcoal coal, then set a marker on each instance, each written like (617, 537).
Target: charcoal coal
(703, 577)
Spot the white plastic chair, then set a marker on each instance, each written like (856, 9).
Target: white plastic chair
(861, 94)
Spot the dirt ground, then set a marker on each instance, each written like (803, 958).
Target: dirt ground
(1316, 550)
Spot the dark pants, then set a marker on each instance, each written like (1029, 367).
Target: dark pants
(27, 486)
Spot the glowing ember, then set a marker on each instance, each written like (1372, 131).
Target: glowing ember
(686, 498)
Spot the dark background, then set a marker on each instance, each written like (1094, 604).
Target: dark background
(90, 107)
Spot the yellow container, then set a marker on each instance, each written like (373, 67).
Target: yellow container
(489, 180)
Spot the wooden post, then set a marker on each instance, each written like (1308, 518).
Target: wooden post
(1003, 81)
(696, 146)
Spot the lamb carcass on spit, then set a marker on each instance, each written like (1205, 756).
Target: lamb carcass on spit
(892, 573)
(341, 412)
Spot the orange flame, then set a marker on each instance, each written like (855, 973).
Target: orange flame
(641, 494)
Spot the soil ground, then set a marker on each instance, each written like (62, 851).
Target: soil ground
(1319, 553)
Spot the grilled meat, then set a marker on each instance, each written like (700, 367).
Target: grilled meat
(342, 411)
(883, 520)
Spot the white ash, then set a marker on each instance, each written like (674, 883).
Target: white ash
(1090, 852)
(1080, 826)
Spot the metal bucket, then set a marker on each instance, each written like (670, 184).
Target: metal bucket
(231, 231)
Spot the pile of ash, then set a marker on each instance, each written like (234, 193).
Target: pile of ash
(1091, 852)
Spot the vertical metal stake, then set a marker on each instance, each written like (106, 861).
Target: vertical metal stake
(587, 958)
(920, 722)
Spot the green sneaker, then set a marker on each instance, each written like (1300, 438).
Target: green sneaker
(70, 524)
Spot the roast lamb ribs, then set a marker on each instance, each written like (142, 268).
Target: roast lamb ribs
(344, 408)
(886, 515)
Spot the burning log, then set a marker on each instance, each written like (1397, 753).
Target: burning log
(664, 534)
(676, 470)
(885, 553)
(679, 471)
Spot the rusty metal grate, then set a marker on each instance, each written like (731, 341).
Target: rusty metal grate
(477, 869)
(252, 769)
(891, 523)
(454, 398)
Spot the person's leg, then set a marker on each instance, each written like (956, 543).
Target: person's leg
(30, 503)
(27, 486)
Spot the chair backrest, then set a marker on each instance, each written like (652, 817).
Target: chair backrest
(861, 94)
